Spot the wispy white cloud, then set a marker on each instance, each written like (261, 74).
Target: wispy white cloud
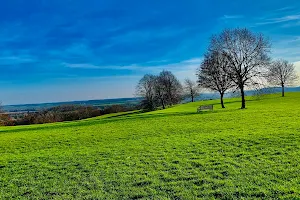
(285, 8)
(15, 60)
(287, 18)
(94, 66)
(82, 66)
(183, 69)
(142, 67)
(228, 17)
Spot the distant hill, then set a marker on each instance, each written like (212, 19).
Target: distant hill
(98, 103)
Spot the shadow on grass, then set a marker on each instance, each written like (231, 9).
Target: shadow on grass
(229, 102)
(123, 114)
(149, 115)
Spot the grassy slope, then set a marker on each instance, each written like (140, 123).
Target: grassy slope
(174, 153)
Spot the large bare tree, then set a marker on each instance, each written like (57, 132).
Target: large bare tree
(213, 74)
(191, 88)
(281, 73)
(247, 54)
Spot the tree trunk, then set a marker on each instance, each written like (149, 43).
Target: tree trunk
(163, 104)
(222, 102)
(192, 98)
(243, 97)
(282, 90)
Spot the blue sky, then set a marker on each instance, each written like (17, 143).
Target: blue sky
(63, 50)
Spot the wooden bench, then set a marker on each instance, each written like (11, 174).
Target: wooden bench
(205, 107)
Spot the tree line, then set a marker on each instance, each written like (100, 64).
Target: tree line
(236, 60)
(62, 113)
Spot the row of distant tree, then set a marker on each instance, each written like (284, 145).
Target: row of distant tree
(62, 113)
(236, 60)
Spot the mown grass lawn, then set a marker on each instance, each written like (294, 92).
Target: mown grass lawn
(167, 154)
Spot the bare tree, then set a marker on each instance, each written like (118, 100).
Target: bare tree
(213, 74)
(146, 89)
(160, 91)
(281, 73)
(164, 89)
(247, 53)
(191, 88)
(169, 88)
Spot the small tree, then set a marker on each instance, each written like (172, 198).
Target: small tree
(247, 54)
(281, 73)
(168, 88)
(160, 92)
(213, 74)
(164, 89)
(191, 88)
(146, 89)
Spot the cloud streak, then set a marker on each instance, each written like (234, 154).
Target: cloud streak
(278, 20)
(143, 67)
(229, 17)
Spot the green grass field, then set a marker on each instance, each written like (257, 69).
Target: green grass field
(167, 154)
